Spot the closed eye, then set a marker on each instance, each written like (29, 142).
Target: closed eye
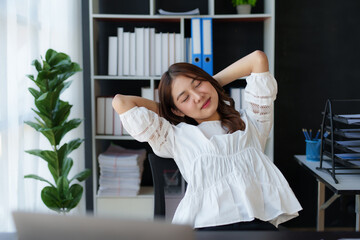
(185, 99)
(198, 84)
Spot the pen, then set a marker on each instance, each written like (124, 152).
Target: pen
(317, 134)
(326, 134)
(310, 133)
(305, 134)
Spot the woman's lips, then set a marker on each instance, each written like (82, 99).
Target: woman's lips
(206, 104)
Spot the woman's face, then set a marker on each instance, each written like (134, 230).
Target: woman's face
(194, 98)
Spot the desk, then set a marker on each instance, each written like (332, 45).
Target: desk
(249, 235)
(348, 184)
(281, 235)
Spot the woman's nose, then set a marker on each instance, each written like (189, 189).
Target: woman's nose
(196, 96)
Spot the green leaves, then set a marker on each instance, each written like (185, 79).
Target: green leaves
(60, 131)
(50, 157)
(51, 199)
(56, 59)
(56, 68)
(62, 112)
(52, 122)
(37, 65)
(63, 187)
(76, 192)
(56, 133)
(38, 178)
(82, 175)
(35, 92)
(62, 199)
(240, 2)
(65, 162)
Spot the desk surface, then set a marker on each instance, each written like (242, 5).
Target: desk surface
(348, 183)
(281, 235)
(249, 235)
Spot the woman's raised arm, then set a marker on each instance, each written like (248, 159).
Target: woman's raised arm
(254, 62)
(122, 103)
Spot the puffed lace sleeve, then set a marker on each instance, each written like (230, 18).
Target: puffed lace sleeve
(147, 126)
(260, 94)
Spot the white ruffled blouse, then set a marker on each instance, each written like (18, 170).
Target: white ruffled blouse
(229, 177)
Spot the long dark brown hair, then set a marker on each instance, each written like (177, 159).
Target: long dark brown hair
(230, 118)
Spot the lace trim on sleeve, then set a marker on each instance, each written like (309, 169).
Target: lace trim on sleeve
(160, 135)
(159, 138)
(146, 126)
(260, 106)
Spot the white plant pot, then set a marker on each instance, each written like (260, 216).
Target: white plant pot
(243, 9)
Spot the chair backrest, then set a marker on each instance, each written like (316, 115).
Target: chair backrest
(158, 166)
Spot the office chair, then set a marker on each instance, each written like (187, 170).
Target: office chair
(158, 166)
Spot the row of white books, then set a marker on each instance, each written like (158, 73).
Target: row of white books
(143, 52)
(120, 171)
(108, 121)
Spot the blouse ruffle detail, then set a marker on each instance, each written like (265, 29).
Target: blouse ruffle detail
(243, 186)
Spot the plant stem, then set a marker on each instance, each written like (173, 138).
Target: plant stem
(57, 161)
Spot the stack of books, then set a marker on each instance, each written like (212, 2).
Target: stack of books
(120, 171)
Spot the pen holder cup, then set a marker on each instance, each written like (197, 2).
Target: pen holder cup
(313, 150)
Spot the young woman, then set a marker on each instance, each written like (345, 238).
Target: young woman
(232, 184)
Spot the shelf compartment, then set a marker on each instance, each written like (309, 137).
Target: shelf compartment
(113, 137)
(139, 207)
(342, 146)
(104, 28)
(107, 77)
(124, 86)
(116, 6)
(347, 119)
(346, 133)
(177, 18)
(341, 161)
(135, 18)
(182, 6)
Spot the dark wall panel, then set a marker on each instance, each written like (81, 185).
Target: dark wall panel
(316, 57)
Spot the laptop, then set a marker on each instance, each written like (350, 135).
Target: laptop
(38, 226)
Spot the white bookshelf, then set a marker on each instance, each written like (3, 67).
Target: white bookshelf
(141, 206)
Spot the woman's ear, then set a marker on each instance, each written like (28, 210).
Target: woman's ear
(177, 112)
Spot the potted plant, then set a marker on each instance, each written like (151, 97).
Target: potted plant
(52, 121)
(244, 6)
